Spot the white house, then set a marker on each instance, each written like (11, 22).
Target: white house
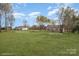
(24, 29)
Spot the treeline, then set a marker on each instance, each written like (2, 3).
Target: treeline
(68, 20)
(6, 13)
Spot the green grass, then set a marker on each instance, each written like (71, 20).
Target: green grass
(39, 43)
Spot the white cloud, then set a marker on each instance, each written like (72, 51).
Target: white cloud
(49, 8)
(34, 14)
(18, 15)
(20, 5)
(52, 12)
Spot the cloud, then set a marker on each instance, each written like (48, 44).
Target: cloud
(52, 12)
(34, 14)
(18, 15)
(58, 5)
(49, 8)
(16, 6)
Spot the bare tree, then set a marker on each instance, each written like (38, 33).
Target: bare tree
(67, 17)
(1, 13)
(61, 19)
(0, 20)
(11, 20)
(24, 23)
(7, 8)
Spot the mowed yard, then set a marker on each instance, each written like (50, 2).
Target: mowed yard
(38, 43)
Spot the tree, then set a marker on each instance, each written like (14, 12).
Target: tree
(24, 23)
(0, 20)
(11, 20)
(1, 12)
(7, 9)
(67, 17)
(76, 25)
(61, 19)
(42, 20)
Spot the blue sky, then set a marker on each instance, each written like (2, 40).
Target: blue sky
(29, 11)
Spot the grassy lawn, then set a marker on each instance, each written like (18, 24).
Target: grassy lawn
(38, 43)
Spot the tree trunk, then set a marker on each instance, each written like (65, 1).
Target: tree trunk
(5, 21)
(61, 28)
(0, 22)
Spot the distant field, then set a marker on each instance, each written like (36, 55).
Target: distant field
(41, 43)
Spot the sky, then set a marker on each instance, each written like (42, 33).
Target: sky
(29, 11)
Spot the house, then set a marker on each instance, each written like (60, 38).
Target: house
(53, 28)
(24, 28)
